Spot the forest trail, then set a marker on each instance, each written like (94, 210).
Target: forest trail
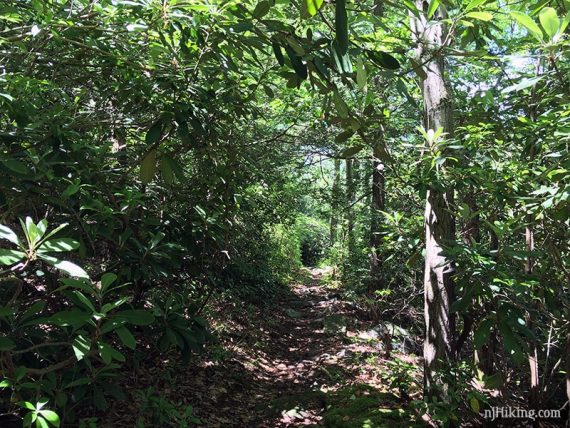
(306, 359)
(302, 364)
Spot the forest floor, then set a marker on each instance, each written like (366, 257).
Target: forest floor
(307, 359)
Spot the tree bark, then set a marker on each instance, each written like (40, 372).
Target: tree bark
(350, 197)
(378, 204)
(438, 222)
(335, 202)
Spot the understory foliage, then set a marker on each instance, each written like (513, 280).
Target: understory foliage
(154, 153)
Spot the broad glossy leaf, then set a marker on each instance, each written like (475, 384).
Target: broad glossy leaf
(278, 53)
(310, 7)
(135, 317)
(51, 417)
(342, 61)
(261, 9)
(384, 60)
(297, 63)
(166, 171)
(523, 84)
(344, 136)
(527, 22)
(341, 26)
(340, 104)
(361, 75)
(81, 346)
(351, 151)
(17, 167)
(148, 167)
(549, 21)
(126, 337)
(73, 318)
(473, 4)
(59, 245)
(10, 257)
(65, 266)
(9, 234)
(6, 344)
(106, 280)
(483, 332)
(481, 16)
(433, 5)
(154, 133)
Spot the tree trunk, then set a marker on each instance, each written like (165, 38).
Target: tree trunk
(438, 221)
(378, 204)
(350, 197)
(568, 367)
(335, 202)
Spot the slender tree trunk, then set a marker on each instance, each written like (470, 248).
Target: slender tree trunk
(350, 197)
(378, 204)
(568, 367)
(534, 396)
(335, 202)
(439, 223)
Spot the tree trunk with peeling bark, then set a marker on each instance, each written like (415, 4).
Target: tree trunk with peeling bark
(438, 221)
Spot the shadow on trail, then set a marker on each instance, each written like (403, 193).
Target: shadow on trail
(304, 370)
(297, 362)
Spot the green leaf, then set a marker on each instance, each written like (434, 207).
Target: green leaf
(7, 233)
(105, 352)
(81, 346)
(341, 27)
(549, 21)
(483, 332)
(17, 167)
(32, 232)
(351, 151)
(154, 133)
(126, 337)
(297, 63)
(54, 231)
(475, 406)
(278, 53)
(342, 61)
(51, 417)
(511, 343)
(474, 4)
(527, 22)
(341, 106)
(481, 16)
(6, 344)
(135, 317)
(108, 353)
(107, 307)
(166, 171)
(106, 280)
(310, 8)
(69, 268)
(433, 5)
(384, 59)
(361, 75)
(148, 167)
(261, 9)
(344, 136)
(59, 245)
(73, 318)
(10, 257)
(523, 84)
(83, 299)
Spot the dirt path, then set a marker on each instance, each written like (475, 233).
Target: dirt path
(303, 358)
(303, 361)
